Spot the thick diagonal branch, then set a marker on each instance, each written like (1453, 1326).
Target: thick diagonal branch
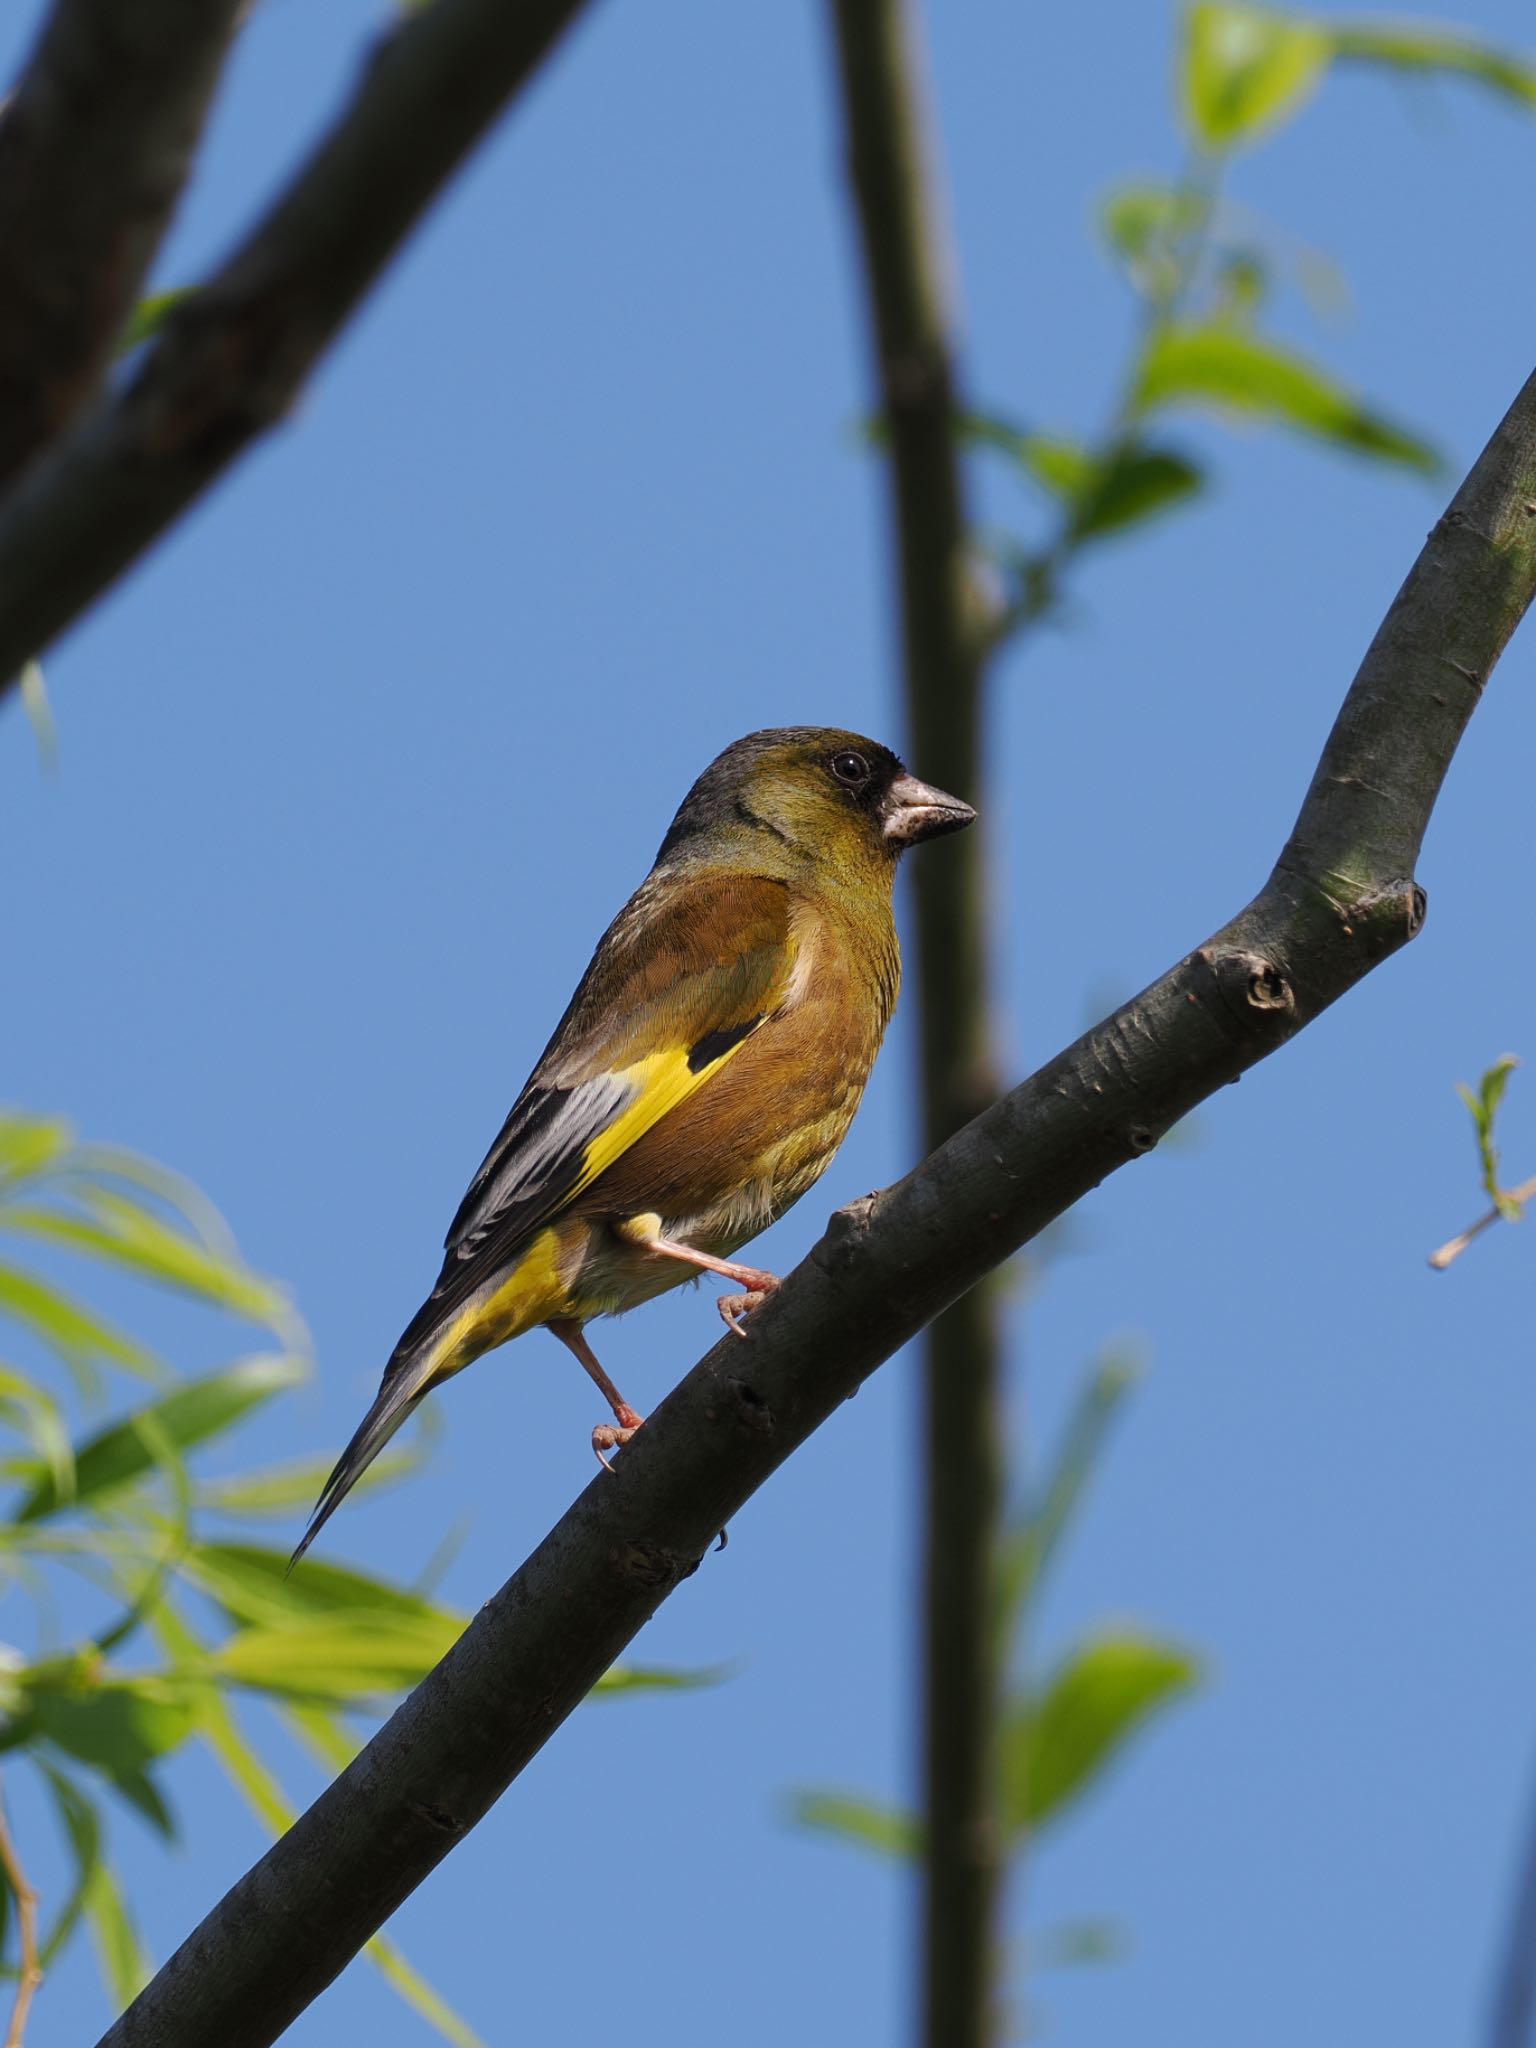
(231, 360)
(905, 256)
(95, 146)
(1341, 899)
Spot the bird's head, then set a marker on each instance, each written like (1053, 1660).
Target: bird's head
(816, 794)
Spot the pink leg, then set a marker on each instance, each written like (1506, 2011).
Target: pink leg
(758, 1285)
(607, 1436)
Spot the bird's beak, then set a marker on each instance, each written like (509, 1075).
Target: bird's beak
(911, 810)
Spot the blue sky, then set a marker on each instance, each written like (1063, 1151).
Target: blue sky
(357, 766)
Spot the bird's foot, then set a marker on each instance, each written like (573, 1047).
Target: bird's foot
(612, 1436)
(734, 1306)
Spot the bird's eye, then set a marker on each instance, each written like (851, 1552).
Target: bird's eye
(850, 768)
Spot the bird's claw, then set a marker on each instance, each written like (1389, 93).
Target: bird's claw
(612, 1436)
(733, 1307)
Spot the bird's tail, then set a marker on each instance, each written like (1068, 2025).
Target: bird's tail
(405, 1382)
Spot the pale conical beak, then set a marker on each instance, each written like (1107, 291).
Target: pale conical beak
(913, 810)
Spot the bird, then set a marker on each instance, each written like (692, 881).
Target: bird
(705, 1072)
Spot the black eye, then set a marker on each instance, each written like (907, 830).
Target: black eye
(850, 768)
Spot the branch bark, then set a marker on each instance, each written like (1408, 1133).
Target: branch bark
(1341, 899)
(233, 357)
(95, 146)
(906, 255)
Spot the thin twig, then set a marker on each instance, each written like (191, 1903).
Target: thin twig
(30, 1975)
(234, 355)
(1455, 1246)
(1341, 899)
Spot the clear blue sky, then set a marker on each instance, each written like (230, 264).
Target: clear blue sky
(357, 766)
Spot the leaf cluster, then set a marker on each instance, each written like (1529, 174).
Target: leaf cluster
(180, 1615)
(1203, 271)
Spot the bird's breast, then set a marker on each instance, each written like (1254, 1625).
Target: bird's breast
(736, 1154)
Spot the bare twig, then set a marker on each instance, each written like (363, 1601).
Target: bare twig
(234, 355)
(1455, 1246)
(945, 639)
(1341, 899)
(30, 1971)
(95, 147)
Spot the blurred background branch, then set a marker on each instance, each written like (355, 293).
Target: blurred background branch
(908, 262)
(1201, 271)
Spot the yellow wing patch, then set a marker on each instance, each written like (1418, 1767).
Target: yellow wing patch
(665, 1079)
(534, 1288)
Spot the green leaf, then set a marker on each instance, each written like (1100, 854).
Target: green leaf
(1484, 1106)
(1246, 70)
(28, 1144)
(296, 1484)
(622, 1678)
(120, 1955)
(1232, 368)
(1101, 494)
(1133, 487)
(67, 1325)
(150, 315)
(187, 1416)
(91, 1165)
(344, 1659)
(124, 1966)
(36, 1415)
(1408, 47)
(1058, 1739)
(121, 1726)
(331, 1633)
(885, 1829)
(81, 1825)
(1063, 468)
(1031, 1544)
(251, 1582)
(128, 1234)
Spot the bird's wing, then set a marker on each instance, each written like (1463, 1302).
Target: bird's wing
(685, 974)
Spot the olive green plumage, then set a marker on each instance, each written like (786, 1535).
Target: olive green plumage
(707, 1069)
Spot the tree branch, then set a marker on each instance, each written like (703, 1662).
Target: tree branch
(1340, 900)
(233, 357)
(95, 146)
(905, 260)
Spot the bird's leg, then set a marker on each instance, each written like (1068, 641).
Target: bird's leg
(608, 1435)
(758, 1284)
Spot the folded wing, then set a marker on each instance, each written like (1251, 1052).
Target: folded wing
(686, 973)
